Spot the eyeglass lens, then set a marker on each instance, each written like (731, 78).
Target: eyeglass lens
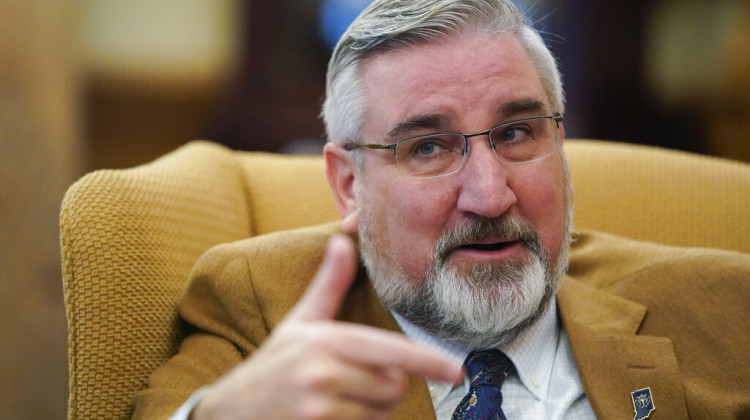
(442, 154)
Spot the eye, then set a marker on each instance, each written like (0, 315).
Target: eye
(430, 148)
(513, 133)
(426, 147)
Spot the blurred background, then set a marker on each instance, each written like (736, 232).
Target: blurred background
(90, 84)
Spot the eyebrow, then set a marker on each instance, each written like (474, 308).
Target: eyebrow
(521, 106)
(425, 121)
(408, 127)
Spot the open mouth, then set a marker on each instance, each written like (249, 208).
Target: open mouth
(489, 246)
(489, 251)
(493, 246)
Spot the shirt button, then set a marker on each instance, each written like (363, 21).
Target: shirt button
(535, 381)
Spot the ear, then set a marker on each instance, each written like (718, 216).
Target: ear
(340, 174)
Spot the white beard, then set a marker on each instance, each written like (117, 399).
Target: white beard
(480, 305)
(486, 315)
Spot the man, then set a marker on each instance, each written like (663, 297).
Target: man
(464, 240)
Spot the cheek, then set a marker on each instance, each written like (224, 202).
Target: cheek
(424, 208)
(408, 216)
(543, 201)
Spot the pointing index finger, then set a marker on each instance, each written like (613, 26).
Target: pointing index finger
(368, 346)
(323, 297)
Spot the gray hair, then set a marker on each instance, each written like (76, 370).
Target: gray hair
(388, 25)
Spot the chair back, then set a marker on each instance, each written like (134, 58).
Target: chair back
(130, 237)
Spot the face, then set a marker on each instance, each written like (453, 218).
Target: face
(496, 224)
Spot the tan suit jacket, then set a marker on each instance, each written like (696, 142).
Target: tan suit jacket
(637, 315)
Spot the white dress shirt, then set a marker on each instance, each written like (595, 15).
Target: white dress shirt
(544, 384)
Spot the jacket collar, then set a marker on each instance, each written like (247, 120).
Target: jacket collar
(362, 306)
(612, 359)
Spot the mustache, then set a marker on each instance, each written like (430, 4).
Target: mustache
(477, 229)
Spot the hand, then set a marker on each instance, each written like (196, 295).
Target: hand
(312, 367)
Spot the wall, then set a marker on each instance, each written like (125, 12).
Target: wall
(39, 152)
(84, 85)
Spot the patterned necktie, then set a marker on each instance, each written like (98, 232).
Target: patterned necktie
(487, 370)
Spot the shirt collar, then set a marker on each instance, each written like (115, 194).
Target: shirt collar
(532, 352)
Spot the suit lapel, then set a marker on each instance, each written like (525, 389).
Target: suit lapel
(612, 359)
(362, 307)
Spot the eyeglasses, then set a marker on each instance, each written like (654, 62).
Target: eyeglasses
(514, 142)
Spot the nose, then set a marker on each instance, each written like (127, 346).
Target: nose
(484, 182)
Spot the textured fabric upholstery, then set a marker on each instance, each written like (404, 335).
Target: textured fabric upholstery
(130, 237)
(658, 195)
(286, 192)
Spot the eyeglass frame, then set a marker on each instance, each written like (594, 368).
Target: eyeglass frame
(557, 118)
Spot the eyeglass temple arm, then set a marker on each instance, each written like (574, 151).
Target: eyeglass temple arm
(352, 146)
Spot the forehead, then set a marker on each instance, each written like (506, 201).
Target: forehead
(461, 79)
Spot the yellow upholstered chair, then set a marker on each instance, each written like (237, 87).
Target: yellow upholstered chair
(130, 237)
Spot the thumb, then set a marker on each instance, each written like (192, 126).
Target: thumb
(326, 292)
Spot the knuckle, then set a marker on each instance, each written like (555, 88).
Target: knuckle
(317, 337)
(397, 385)
(317, 409)
(317, 377)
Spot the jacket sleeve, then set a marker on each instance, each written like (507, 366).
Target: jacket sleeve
(224, 324)
(237, 294)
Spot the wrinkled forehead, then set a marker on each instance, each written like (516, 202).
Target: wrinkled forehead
(467, 73)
